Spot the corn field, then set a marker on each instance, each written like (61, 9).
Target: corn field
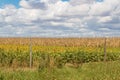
(56, 52)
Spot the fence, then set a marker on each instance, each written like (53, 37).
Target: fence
(44, 52)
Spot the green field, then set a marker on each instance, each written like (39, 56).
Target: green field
(60, 59)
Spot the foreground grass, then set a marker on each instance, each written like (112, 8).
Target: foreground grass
(88, 71)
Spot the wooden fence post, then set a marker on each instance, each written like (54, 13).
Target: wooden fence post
(105, 53)
(30, 46)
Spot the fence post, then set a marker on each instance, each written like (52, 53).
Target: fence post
(30, 46)
(105, 53)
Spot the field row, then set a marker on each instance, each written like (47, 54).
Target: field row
(54, 56)
(86, 42)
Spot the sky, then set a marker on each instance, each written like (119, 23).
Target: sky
(7, 2)
(60, 18)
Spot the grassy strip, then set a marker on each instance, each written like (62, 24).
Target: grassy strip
(88, 71)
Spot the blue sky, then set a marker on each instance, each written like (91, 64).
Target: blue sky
(13, 2)
(55, 18)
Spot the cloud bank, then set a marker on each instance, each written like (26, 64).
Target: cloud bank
(56, 18)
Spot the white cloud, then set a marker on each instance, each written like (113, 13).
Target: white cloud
(79, 2)
(56, 18)
(36, 4)
(104, 8)
(24, 4)
(79, 10)
(105, 19)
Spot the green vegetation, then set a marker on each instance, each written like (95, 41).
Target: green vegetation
(20, 58)
(59, 59)
(87, 71)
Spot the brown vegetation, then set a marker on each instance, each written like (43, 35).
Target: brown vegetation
(112, 42)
